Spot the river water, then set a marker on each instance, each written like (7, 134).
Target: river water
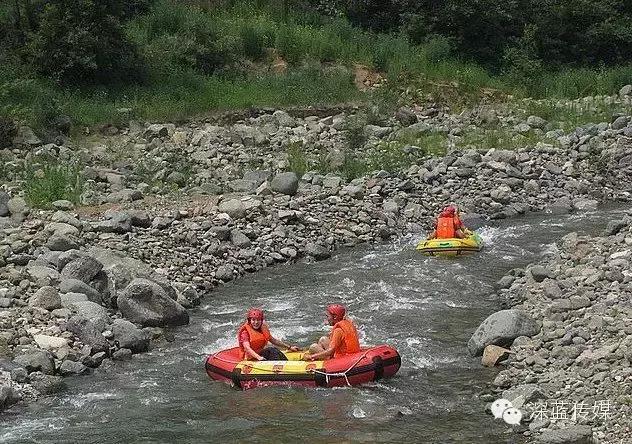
(426, 307)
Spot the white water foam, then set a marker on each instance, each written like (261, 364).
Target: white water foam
(83, 399)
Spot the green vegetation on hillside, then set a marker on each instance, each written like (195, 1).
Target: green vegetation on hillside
(102, 61)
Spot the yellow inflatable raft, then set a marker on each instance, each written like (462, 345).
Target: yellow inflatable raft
(450, 247)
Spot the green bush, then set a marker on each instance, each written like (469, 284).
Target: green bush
(46, 181)
(522, 64)
(82, 42)
(46, 110)
(8, 130)
(438, 48)
(253, 43)
(287, 45)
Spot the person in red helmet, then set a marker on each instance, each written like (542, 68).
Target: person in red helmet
(448, 225)
(254, 335)
(342, 340)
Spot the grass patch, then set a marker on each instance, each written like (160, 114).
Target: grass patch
(46, 181)
(569, 115)
(500, 138)
(297, 160)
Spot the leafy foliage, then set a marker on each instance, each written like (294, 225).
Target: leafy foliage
(82, 41)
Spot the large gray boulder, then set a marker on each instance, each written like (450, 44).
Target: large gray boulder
(36, 361)
(72, 368)
(46, 384)
(8, 396)
(129, 336)
(83, 268)
(47, 298)
(77, 286)
(89, 333)
(121, 270)
(92, 311)
(317, 251)
(147, 303)
(501, 328)
(62, 242)
(285, 183)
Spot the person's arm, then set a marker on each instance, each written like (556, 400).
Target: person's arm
(280, 343)
(250, 352)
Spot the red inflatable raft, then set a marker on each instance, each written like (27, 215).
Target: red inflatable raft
(370, 364)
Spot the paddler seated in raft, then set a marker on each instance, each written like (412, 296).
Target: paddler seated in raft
(342, 340)
(448, 225)
(253, 337)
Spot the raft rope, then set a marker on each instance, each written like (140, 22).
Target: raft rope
(327, 375)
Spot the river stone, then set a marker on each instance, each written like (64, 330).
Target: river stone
(148, 304)
(93, 311)
(72, 368)
(121, 270)
(46, 384)
(47, 298)
(505, 282)
(8, 396)
(317, 251)
(84, 268)
(88, 332)
(239, 239)
(123, 354)
(257, 176)
(77, 286)
(501, 328)
(41, 273)
(50, 342)
(225, 273)
(578, 434)
(539, 273)
(129, 336)
(62, 242)
(523, 394)
(119, 222)
(17, 206)
(4, 199)
(35, 361)
(562, 205)
(613, 227)
(585, 204)
(493, 354)
(406, 116)
(285, 183)
(233, 207)
(551, 289)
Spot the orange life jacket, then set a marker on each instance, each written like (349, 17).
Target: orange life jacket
(445, 228)
(258, 338)
(350, 342)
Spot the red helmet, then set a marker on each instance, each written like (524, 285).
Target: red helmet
(337, 311)
(255, 313)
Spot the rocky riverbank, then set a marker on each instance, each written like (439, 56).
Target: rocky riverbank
(570, 330)
(80, 286)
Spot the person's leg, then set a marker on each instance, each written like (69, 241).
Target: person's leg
(273, 354)
(320, 346)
